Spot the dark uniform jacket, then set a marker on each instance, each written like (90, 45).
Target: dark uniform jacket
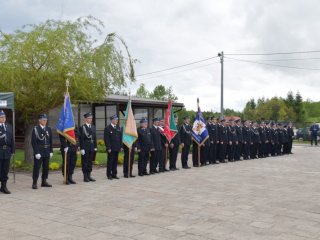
(255, 136)
(223, 134)
(42, 141)
(113, 138)
(156, 138)
(274, 136)
(239, 131)
(268, 134)
(88, 139)
(144, 142)
(185, 134)
(290, 133)
(175, 140)
(232, 134)
(246, 134)
(262, 133)
(6, 141)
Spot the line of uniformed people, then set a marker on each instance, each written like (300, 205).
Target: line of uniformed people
(233, 140)
(227, 141)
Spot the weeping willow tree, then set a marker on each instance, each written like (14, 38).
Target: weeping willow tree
(36, 61)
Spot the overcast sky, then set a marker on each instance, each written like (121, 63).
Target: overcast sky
(167, 33)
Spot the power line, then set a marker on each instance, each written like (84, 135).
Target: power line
(180, 66)
(275, 53)
(273, 65)
(172, 73)
(285, 59)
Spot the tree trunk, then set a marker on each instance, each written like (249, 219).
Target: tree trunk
(28, 151)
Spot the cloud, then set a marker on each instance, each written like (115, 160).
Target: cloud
(167, 33)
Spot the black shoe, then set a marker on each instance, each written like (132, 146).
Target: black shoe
(161, 171)
(110, 178)
(125, 176)
(34, 186)
(132, 175)
(45, 184)
(85, 178)
(71, 181)
(152, 173)
(141, 174)
(155, 171)
(166, 170)
(186, 167)
(4, 188)
(90, 178)
(115, 177)
(176, 169)
(146, 174)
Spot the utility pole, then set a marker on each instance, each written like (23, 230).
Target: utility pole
(221, 107)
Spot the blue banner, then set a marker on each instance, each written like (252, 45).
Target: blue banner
(199, 131)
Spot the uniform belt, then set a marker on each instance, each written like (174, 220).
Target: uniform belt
(45, 145)
(4, 147)
(90, 141)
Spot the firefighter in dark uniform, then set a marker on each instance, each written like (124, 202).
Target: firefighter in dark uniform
(246, 131)
(214, 140)
(280, 138)
(263, 140)
(42, 150)
(113, 142)
(223, 141)
(71, 150)
(174, 148)
(144, 145)
(269, 138)
(209, 142)
(291, 137)
(239, 147)
(7, 148)
(134, 149)
(233, 141)
(88, 147)
(274, 139)
(156, 151)
(285, 140)
(186, 140)
(255, 141)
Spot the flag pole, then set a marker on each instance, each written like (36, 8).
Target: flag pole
(65, 153)
(198, 143)
(129, 161)
(166, 160)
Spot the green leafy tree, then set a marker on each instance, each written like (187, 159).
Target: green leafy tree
(142, 91)
(162, 93)
(36, 61)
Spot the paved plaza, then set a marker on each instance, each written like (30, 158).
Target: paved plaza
(272, 198)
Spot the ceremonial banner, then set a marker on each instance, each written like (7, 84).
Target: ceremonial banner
(66, 124)
(129, 134)
(199, 131)
(170, 128)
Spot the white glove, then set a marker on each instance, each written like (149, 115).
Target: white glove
(95, 149)
(66, 149)
(51, 154)
(38, 156)
(83, 152)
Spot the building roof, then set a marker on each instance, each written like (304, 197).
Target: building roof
(112, 98)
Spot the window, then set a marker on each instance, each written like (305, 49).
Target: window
(140, 113)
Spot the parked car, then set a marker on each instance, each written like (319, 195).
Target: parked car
(304, 134)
